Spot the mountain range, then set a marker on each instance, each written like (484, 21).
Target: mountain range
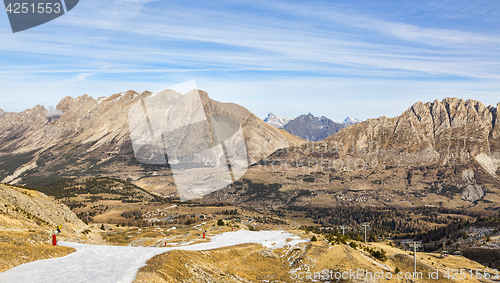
(308, 126)
(90, 137)
(448, 133)
(441, 153)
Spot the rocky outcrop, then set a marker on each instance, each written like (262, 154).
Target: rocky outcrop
(23, 209)
(471, 191)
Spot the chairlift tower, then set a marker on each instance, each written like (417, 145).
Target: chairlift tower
(344, 227)
(415, 245)
(366, 226)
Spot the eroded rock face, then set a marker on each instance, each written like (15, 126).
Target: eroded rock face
(471, 191)
(468, 176)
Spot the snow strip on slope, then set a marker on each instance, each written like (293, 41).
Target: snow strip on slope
(93, 263)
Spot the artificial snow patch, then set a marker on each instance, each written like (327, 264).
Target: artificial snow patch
(93, 263)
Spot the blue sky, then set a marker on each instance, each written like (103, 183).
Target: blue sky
(364, 59)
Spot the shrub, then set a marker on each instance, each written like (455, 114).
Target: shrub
(397, 270)
(314, 239)
(380, 255)
(353, 245)
(220, 222)
(309, 179)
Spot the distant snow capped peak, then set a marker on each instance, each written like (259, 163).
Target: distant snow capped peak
(276, 121)
(350, 121)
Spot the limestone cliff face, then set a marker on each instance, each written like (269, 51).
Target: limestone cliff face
(445, 133)
(92, 137)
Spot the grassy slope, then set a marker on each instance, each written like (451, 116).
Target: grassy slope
(26, 220)
(254, 263)
(21, 247)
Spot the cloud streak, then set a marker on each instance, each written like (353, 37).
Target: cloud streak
(262, 41)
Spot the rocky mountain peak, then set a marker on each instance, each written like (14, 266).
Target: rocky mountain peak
(312, 128)
(317, 127)
(311, 117)
(276, 121)
(350, 121)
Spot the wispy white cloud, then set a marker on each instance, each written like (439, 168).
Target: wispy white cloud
(128, 9)
(272, 42)
(277, 44)
(83, 76)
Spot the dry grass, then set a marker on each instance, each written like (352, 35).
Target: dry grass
(221, 265)
(173, 235)
(21, 247)
(255, 263)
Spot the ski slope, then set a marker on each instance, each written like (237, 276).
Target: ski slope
(94, 263)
